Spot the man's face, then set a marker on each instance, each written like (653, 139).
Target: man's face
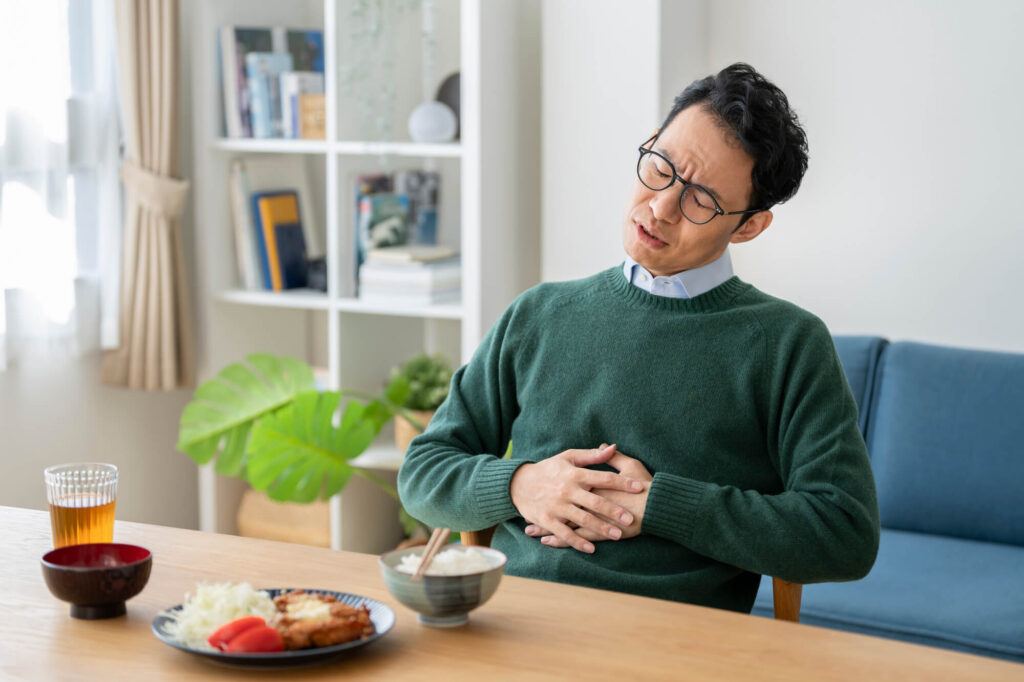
(655, 233)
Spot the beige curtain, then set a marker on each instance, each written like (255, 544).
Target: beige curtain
(155, 348)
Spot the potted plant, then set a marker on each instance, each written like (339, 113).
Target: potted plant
(428, 378)
(266, 423)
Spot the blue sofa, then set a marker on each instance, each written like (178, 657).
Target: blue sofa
(945, 431)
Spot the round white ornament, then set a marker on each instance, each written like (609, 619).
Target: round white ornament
(432, 122)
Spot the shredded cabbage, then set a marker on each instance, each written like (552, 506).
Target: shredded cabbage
(214, 605)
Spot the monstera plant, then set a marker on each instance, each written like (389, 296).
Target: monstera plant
(266, 423)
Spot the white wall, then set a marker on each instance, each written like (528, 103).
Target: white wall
(599, 84)
(59, 412)
(907, 222)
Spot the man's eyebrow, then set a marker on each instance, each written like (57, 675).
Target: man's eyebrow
(711, 190)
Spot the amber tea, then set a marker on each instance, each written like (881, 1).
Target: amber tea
(82, 525)
(82, 498)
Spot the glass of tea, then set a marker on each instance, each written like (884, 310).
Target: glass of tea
(82, 498)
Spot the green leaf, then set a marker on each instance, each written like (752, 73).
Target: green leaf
(204, 450)
(233, 455)
(398, 390)
(296, 453)
(223, 408)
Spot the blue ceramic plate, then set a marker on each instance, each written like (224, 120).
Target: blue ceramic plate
(381, 615)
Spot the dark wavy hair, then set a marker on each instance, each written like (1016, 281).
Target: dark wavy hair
(757, 114)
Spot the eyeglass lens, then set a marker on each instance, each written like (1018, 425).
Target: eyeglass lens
(658, 174)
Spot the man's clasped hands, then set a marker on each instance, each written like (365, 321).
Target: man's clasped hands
(568, 505)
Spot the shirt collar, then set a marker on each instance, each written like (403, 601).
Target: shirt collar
(685, 284)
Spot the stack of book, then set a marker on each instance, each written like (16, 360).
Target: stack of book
(395, 209)
(411, 275)
(273, 82)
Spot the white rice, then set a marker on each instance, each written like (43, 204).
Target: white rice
(449, 562)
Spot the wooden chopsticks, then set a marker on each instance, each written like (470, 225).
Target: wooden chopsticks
(438, 539)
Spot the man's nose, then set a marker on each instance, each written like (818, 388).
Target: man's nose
(665, 204)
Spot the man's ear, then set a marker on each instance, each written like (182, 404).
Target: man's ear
(755, 225)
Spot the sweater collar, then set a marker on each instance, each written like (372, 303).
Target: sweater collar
(685, 284)
(714, 300)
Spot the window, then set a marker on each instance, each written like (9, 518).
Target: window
(59, 193)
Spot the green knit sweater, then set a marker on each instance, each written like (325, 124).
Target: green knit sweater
(734, 400)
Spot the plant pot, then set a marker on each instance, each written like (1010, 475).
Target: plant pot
(306, 524)
(405, 431)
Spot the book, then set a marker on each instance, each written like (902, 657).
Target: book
(263, 70)
(312, 116)
(422, 188)
(234, 44)
(294, 84)
(430, 276)
(366, 185)
(273, 209)
(383, 221)
(247, 256)
(291, 254)
(410, 253)
(279, 172)
(306, 48)
(373, 295)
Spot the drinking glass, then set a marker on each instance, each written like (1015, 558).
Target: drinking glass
(82, 498)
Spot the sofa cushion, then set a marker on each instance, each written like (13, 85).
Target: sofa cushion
(946, 438)
(928, 589)
(859, 355)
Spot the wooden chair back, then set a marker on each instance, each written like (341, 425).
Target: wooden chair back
(785, 594)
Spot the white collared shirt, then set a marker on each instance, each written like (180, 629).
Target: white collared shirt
(685, 284)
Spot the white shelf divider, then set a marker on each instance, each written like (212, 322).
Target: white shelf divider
(361, 148)
(382, 455)
(272, 146)
(305, 299)
(440, 311)
(342, 147)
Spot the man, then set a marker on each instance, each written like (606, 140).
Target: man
(734, 443)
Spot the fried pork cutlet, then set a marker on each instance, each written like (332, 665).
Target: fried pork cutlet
(311, 620)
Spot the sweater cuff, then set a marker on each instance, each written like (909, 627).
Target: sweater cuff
(490, 485)
(673, 504)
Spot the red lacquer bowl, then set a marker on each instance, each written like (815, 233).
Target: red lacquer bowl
(97, 579)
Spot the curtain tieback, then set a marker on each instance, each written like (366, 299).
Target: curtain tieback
(160, 193)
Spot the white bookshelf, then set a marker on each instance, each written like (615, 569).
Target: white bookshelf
(493, 222)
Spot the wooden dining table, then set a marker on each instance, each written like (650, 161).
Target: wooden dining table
(530, 629)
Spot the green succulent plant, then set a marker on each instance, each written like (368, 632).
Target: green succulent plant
(428, 378)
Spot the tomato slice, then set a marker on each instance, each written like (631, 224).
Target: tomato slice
(223, 635)
(257, 640)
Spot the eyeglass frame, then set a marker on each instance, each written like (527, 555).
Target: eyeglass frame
(675, 176)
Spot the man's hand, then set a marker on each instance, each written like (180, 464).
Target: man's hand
(634, 503)
(556, 492)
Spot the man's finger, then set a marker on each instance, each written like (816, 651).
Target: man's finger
(628, 465)
(605, 508)
(567, 535)
(588, 521)
(552, 541)
(590, 479)
(585, 458)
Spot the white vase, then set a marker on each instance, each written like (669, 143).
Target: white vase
(432, 122)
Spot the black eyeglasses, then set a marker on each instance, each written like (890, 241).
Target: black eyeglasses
(695, 203)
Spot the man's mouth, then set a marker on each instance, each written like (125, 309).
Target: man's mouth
(648, 238)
